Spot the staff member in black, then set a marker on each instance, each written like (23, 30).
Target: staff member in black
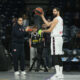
(18, 33)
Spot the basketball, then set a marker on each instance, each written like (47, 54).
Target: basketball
(38, 11)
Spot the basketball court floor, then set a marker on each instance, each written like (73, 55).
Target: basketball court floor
(9, 75)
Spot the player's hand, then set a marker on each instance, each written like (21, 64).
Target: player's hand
(44, 26)
(42, 31)
(42, 14)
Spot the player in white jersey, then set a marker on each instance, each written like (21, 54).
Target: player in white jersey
(56, 29)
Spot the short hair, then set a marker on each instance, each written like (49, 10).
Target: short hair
(35, 26)
(58, 9)
(19, 18)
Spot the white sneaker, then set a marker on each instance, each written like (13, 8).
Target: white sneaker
(23, 75)
(57, 77)
(53, 78)
(61, 76)
(23, 72)
(17, 75)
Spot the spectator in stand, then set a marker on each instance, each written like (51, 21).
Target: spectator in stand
(77, 19)
(77, 5)
(25, 21)
(14, 21)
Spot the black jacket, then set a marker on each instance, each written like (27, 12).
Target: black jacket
(18, 34)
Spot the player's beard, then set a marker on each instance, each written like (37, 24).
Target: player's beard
(55, 15)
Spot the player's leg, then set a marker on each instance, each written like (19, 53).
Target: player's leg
(56, 56)
(56, 62)
(58, 51)
(60, 66)
(59, 47)
(57, 67)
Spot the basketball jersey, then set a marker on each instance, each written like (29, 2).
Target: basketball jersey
(58, 29)
(36, 39)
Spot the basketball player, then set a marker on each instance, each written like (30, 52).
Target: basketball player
(56, 29)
